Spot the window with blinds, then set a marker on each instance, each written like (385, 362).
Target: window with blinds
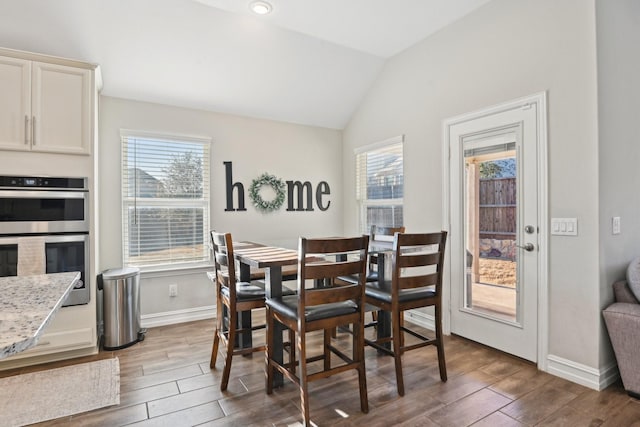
(165, 200)
(380, 184)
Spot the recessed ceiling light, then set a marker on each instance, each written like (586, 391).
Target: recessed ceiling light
(261, 7)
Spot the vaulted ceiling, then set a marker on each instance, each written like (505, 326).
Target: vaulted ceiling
(309, 61)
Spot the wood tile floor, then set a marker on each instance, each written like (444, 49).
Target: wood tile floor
(166, 381)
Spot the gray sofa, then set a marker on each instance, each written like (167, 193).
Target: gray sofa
(623, 323)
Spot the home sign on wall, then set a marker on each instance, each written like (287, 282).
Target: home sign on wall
(295, 193)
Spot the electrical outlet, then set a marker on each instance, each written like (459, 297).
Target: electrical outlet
(173, 290)
(615, 225)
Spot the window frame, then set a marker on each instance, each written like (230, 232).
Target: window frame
(128, 202)
(361, 183)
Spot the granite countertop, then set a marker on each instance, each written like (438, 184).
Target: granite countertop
(27, 305)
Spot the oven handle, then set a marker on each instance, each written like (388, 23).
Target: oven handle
(22, 194)
(49, 238)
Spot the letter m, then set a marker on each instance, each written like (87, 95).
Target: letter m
(301, 187)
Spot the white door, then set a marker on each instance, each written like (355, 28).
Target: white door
(495, 223)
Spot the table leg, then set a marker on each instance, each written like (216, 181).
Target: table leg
(273, 281)
(244, 340)
(383, 329)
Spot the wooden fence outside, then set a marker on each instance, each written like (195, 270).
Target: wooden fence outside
(498, 208)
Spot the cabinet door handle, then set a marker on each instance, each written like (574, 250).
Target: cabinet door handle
(26, 130)
(33, 131)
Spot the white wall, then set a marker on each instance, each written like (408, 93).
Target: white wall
(291, 152)
(505, 50)
(618, 30)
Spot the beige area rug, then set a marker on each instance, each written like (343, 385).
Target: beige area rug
(54, 393)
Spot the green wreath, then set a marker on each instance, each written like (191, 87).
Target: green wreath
(258, 201)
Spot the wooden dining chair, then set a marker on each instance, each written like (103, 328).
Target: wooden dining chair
(232, 297)
(322, 308)
(416, 282)
(378, 234)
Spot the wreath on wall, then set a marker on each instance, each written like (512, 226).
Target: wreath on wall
(257, 200)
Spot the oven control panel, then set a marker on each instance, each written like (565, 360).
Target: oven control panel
(14, 182)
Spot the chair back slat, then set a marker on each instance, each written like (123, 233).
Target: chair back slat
(418, 260)
(332, 294)
(331, 246)
(421, 239)
(332, 269)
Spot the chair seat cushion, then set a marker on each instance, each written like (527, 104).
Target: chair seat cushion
(382, 291)
(254, 290)
(247, 291)
(288, 306)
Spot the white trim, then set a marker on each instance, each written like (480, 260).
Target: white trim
(171, 137)
(175, 270)
(543, 214)
(380, 144)
(177, 316)
(421, 319)
(539, 99)
(596, 379)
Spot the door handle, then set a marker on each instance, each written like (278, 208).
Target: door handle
(529, 247)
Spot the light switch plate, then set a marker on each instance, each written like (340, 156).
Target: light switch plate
(564, 226)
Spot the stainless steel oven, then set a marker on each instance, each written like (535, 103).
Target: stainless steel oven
(44, 228)
(43, 205)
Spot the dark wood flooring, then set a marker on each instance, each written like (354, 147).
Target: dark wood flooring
(166, 381)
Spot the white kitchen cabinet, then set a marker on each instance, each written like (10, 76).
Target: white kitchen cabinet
(48, 107)
(15, 103)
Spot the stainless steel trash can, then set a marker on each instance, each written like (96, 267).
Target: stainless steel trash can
(121, 307)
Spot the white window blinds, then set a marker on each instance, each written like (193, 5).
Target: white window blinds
(380, 184)
(165, 200)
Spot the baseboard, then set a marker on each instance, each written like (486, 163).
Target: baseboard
(177, 316)
(596, 379)
(420, 319)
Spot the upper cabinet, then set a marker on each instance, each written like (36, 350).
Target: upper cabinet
(46, 106)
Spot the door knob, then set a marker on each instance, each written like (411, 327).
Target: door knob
(529, 247)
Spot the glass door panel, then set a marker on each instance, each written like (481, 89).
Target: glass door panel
(491, 212)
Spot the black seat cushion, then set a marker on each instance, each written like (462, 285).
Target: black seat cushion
(254, 290)
(288, 306)
(382, 291)
(247, 291)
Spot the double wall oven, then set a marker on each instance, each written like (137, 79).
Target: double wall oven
(44, 228)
